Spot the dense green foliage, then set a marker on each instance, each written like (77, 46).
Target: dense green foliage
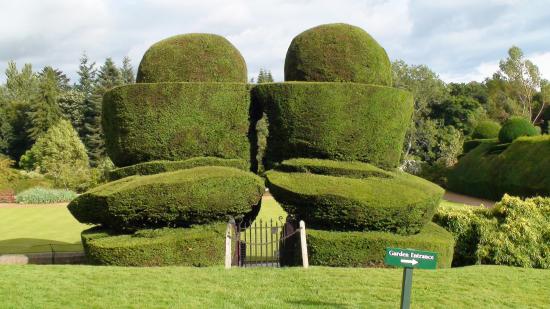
(490, 170)
(337, 53)
(514, 128)
(156, 167)
(473, 143)
(514, 232)
(176, 121)
(194, 57)
(361, 249)
(182, 198)
(60, 155)
(354, 196)
(40, 195)
(339, 121)
(460, 112)
(486, 129)
(195, 246)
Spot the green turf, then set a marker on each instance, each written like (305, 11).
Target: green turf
(317, 287)
(32, 229)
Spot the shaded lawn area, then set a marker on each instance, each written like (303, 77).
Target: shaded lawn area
(33, 228)
(34, 286)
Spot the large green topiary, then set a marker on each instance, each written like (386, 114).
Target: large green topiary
(176, 121)
(337, 53)
(364, 249)
(192, 196)
(333, 195)
(195, 246)
(486, 129)
(195, 57)
(337, 121)
(514, 128)
(161, 166)
(490, 170)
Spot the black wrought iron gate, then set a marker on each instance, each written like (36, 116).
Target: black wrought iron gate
(261, 243)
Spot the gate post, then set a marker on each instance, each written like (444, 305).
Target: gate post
(303, 244)
(228, 254)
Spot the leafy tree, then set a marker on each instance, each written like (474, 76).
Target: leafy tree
(501, 103)
(44, 111)
(461, 112)
(524, 77)
(6, 129)
(127, 71)
(59, 154)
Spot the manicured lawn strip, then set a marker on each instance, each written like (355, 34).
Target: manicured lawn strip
(25, 230)
(317, 287)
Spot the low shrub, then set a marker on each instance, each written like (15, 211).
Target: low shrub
(490, 170)
(194, 246)
(198, 195)
(514, 232)
(473, 143)
(336, 121)
(364, 249)
(161, 166)
(486, 129)
(516, 127)
(335, 195)
(45, 196)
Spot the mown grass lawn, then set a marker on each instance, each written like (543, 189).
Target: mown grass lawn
(34, 228)
(317, 287)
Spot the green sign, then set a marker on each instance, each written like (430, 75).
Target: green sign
(410, 258)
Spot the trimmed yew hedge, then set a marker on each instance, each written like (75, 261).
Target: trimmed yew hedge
(491, 169)
(396, 202)
(196, 246)
(161, 166)
(338, 121)
(337, 53)
(176, 121)
(198, 195)
(193, 57)
(364, 249)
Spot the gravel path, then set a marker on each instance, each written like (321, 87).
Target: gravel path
(468, 200)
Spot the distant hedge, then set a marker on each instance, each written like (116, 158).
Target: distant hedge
(486, 129)
(338, 121)
(337, 53)
(161, 166)
(176, 121)
(471, 144)
(491, 169)
(192, 196)
(364, 249)
(195, 246)
(516, 127)
(396, 202)
(194, 57)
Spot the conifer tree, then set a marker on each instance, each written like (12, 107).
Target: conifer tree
(127, 71)
(44, 111)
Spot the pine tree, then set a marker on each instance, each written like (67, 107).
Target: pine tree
(265, 76)
(44, 111)
(127, 71)
(87, 76)
(108, 76)
(60, 77)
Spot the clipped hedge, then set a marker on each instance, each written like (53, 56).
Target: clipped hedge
(194, 57)
(491, 169)
(198, 195)
(516, 127)
(195, 246)
(338, 121)
(471, 144)
(176, 121)
(396, 202)
(337, 53)
(486, 129)
(161, 166)
(364, 249)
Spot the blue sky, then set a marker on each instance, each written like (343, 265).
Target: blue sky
(459, 40)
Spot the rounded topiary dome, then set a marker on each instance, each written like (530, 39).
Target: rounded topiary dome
(516, 127)
(486, 129)
(195, 57)
(337, 53)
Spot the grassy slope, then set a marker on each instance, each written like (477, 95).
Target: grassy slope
(318, 287)
(32, 229)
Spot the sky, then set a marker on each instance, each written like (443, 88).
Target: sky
(460, 40)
